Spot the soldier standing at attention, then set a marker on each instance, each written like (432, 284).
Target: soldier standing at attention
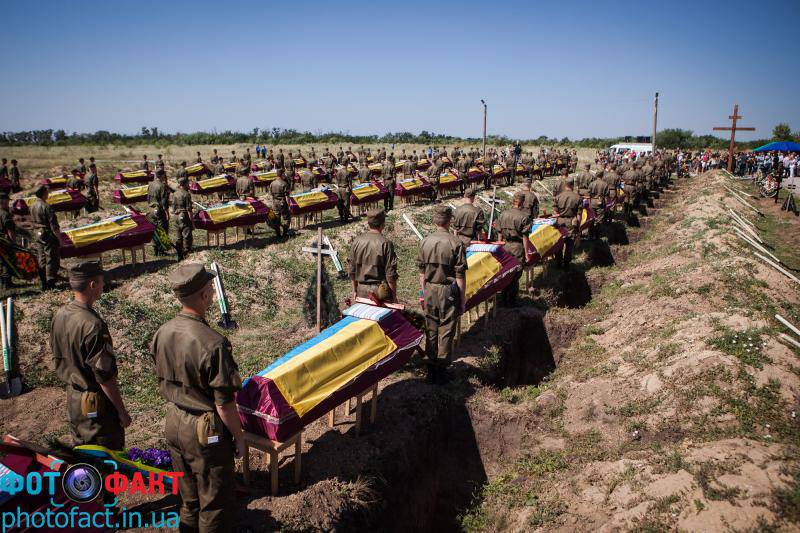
(515, 225)
(85, 361)
(92, 189)
(279, 190)
(14, 176)
(81, 168)
(219, 168)
(7, 230)
(583, 179)
(363, 171)
(47, 243)
(232, 158)
(469, 220)
(247, 157)
(145, 163)
(198, 378)
(388, 176)
(160, 165)
(158, 200)
(373, 261)
(345, 187)
(531, 203)
(567, 207)
(182, 172)
(244, 187)
(307, 179)
(182, 207)
(598, 197)
(434, 176)
(442, 264)
(4, 170)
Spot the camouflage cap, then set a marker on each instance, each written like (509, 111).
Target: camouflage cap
(189, 278)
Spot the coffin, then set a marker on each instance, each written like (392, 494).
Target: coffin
(449, 180)
(60, 200)
(412, 186)
(197, 169)
(130, 195)
(490, 270)
(123, 231)
(134, 176)
(545, 238)
(312, 201)
(231, 214)
(368, 344)
(368, 193)
(56, 182)
(264, 178)
(221, 183)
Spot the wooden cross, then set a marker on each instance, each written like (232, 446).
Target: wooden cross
(733, 129)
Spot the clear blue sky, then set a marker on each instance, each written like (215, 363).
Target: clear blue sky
(563, 68)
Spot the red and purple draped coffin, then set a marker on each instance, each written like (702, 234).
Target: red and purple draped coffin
(546, 239)
(134, 176)
(417, 185)
(490, 269)
(124, 231)
(198, 169)
(130, 195)
(499, 171)
(247, 212)
(312, 201)
(56, 182)
(365, 346)
(368, 193)
(63, 200)
(449, 180)
(221, 183)
(475, 174)
(320, 174)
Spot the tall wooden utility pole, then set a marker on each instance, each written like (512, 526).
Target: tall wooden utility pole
(655, 122)
(484, 128)
(733, 129)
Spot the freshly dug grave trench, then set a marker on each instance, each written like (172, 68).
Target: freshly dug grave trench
(431, 480)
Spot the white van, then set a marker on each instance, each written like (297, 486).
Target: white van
(636, 148)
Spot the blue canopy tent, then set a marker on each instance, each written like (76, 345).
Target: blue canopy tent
(779, 146)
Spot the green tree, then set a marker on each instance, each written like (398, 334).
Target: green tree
(782, 132)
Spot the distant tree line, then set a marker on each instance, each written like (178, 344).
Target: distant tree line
(668, 138)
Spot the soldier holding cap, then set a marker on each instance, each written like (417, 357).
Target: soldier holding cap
(279, 190)
(373, 262)
(469, 220)
(442, 264)
(567, 207)
(515, 226)
(182, 207)
(7, 230)
(92, 189)
(47, 243)
(198, 377)
(85, 361)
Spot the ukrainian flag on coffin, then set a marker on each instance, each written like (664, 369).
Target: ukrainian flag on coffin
(231, 214)
(367, 193)
(197, 168)
(410, 186)
(545, 238)
(134, 176)
(345, 359)
(63, 200)
(312, 201)
(56, 182)
(263, 179)
(225, 182)
(490, 268)
(131, 195)
(448, 180)
(375, 168)
(124, 231)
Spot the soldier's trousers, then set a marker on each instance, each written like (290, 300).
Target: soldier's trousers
(510, 293)
(388, 202)
(207, 488)
(184, 241)
(441, 315)
(103, 429)
(343, 208)
(48, 249)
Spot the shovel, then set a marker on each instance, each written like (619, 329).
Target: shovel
(11, 386)
(226, 322)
